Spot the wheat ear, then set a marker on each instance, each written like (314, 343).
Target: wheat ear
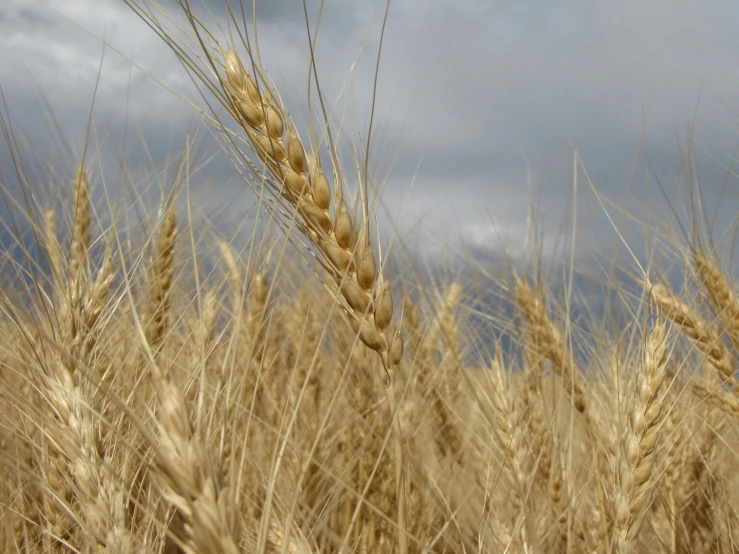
(345, 251)
(76, 436)
(160, 285)
(695, 327)
(639, 444)
(560, 503)
(438, 377)
(235, 278)
(532, 404)
(76, 429)
(207, 320)
(723, 400)
(550, 343)
(508, 434)
(76, 262)
(719, 291)
(80, 242)
(193, 484)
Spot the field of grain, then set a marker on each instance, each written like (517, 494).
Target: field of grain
(165, 388)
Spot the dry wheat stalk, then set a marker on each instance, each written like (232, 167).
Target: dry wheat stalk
(640, 442)
(193, 484)
(346, 252)
(702, 333)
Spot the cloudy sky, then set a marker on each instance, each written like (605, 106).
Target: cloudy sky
(481, 103)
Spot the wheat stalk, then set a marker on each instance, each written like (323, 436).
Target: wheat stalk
(193, 484)
(345, 251)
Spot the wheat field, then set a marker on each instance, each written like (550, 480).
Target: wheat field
(170, 387)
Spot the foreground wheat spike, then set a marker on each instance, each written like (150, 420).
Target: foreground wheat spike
(640, 443)
(345, 250)
(703, 334)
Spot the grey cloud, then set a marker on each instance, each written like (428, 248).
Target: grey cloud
(479, 92)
